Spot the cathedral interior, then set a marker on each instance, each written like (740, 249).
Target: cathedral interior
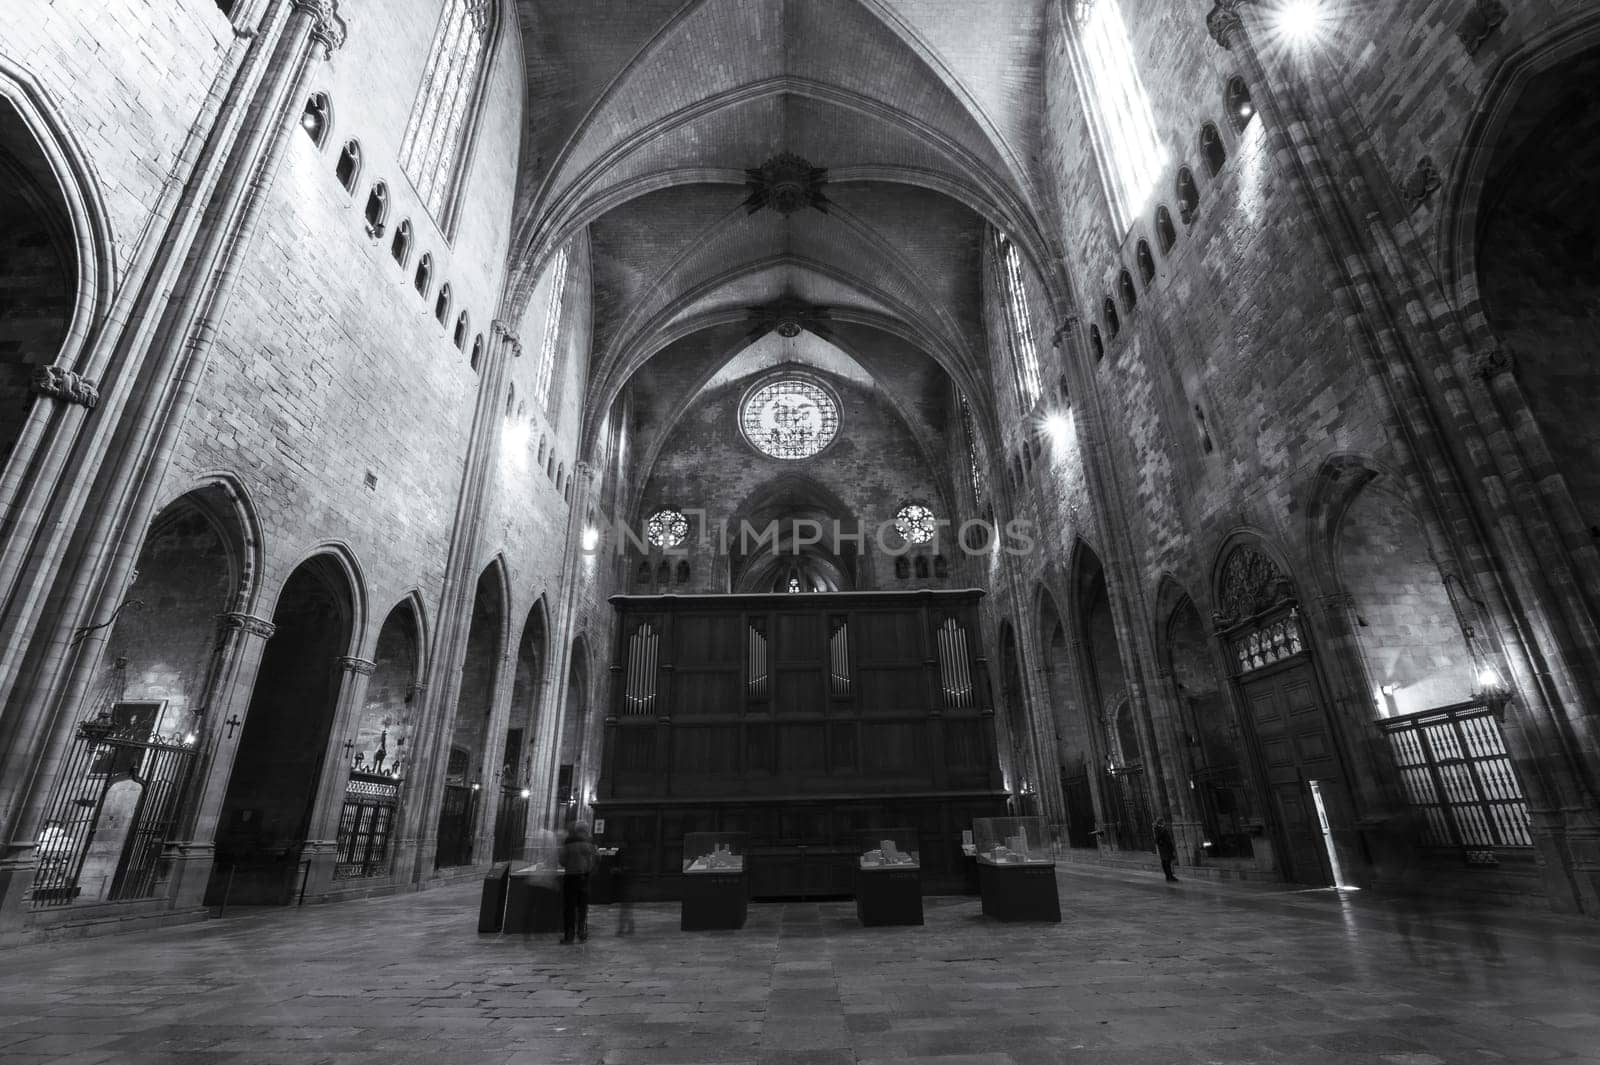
(1084, 432)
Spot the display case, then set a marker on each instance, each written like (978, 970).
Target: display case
(889, 848)
(716, 891)
(713, 852)
(533, 896)
(889, 877)
(1016, 869)
(1012, 841)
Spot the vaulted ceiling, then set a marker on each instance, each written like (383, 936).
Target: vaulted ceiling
(646, 115)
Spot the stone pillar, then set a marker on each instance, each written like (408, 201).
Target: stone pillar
(322, 830)
(243, 639)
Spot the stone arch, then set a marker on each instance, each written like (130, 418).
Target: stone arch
(385, 734)
(1125, 778)
(1402, 614)
(56, 264)
(1020, 763)
(574, 773)
(339, 554)
(198, 564)
(532, 654)
(272, 790)
(1520, 239)
(1216, 752)
(469, 762)
(1077, 747)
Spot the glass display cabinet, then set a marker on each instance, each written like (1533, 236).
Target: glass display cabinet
(716, 889)
(889, 877)
(1016, 869)
(713, 852)
(533, 896)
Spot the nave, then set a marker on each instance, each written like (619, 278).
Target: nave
(1139, 973)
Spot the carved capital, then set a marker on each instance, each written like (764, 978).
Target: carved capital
(65, 385)
(501, 329)
(249, 624)
(327, 28)
(1494, 362)
(1224, 21)
(357, 665)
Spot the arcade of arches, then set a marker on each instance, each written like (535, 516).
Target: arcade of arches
(785, 413)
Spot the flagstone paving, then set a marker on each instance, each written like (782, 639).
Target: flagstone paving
(1140, 972)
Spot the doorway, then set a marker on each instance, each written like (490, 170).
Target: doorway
(1296, 747)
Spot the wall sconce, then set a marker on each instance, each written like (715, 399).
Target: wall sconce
(1492, 691)
(526, 793)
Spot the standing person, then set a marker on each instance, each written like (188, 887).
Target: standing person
(1165, 847)
(620, 893)
(578, 859)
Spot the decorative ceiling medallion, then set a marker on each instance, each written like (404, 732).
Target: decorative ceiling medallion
(790, 416)
(788, 318)
(786, 183)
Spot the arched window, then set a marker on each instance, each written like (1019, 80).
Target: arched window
(566, 493)
(461, 332)
(681, 573)
(1125, 289)
(1147, 263)
(349, 168)
(1113, 323)
(543, 444)
(902, 567)
(550, 465)
(974, 461)
(511, 400)
(1121, 120)
(317, 118)
(401, 246)
(1241, 109)
(552, 331)
(377, 211)
(441, 306)
(1166, 233)
(477, 351)
(923, 573)
(1211, 148)
(561, 473)
(1024, 355)
(1096, 345)
(435, 143)
(1188, 195)
(424, 274)
(643, 576)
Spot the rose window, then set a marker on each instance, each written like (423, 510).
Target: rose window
(790, 418)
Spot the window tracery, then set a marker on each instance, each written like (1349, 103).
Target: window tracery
(1019, 323)
(789, 417)
(435, 141)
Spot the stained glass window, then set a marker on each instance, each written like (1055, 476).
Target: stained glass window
(1019, 323)
(1131, 156)
(666, 528)
(974, 463)
(916, 523)
(552, 331)
(790, 418)
(436, 135)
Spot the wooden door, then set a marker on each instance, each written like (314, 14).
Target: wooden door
(1296, 745)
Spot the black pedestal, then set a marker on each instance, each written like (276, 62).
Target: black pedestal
(1019, 892)
(533, 905)
(713, 900)
(602, 882)
(492, 903)
(889, 896)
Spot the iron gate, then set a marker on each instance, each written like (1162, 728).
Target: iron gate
(112, 848)
(366, 825)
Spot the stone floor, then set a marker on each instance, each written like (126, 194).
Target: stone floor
(1140, 972)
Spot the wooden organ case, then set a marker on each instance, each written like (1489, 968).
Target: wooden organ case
(800, 720)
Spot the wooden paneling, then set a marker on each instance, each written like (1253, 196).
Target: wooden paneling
(801, 720)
